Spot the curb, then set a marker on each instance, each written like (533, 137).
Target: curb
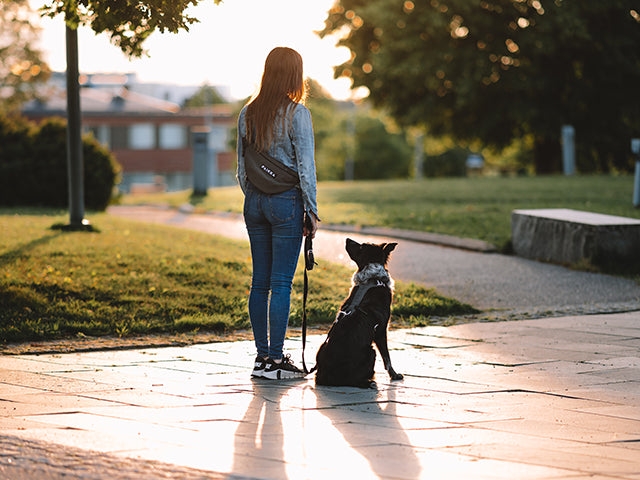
(416, 236)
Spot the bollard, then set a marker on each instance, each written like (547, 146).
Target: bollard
(200, 136)
(568, 150)
(635, 149)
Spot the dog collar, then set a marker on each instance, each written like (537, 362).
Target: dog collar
(372, 273)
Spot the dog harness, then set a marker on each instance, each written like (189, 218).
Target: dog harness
(361, 291)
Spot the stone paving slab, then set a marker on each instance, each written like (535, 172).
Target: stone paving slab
(554, 398)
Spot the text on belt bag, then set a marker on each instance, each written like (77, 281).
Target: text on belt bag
(265, 172)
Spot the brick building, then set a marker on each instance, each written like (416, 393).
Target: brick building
(151, 138)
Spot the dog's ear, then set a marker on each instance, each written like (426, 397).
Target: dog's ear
(353, 248)
(387, 249)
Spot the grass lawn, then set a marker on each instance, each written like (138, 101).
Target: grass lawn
(135, 278)
(477, 207)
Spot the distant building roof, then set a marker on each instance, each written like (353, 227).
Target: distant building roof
(102, 100)
(166, 91)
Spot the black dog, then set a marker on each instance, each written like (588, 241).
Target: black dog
(347, 356)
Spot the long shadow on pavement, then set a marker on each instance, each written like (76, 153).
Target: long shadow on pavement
(370, 408)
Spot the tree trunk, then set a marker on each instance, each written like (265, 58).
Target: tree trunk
(74, 134)
(547, 156)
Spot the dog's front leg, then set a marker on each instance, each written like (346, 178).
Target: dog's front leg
(381, 342)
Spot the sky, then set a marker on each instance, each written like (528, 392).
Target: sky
(228, 47)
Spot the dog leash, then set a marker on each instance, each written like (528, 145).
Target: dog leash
(309, 262)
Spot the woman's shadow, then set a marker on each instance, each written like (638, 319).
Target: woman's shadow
(259, 438)
(335, 403)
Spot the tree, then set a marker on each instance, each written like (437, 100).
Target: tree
(329, 131)
(496, 70)
(21, 66)
(362, 135)
(205, 96)
(345, 127)
(379, 153)
(129, 24)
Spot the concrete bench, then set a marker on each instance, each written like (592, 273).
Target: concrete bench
(569, 236)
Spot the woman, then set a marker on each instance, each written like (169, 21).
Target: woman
(277, 122)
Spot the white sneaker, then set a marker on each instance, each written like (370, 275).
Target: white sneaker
(259, 366)
(283, 370)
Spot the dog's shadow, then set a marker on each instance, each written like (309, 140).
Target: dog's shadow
(368, 422)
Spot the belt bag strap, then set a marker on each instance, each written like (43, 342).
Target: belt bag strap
(266, 173)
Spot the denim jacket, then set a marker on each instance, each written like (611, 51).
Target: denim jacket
(294, 147)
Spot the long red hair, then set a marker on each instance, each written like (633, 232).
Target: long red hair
(282, 85)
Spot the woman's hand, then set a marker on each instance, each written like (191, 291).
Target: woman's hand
(310, 225)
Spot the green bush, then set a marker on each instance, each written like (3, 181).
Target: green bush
(379, 153)
(33, 166)
(15, 144)
(452, 163)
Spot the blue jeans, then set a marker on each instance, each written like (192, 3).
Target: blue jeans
(275, 226)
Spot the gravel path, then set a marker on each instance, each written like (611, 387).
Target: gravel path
(502, 286)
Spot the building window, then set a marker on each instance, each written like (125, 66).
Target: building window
(101, 133)
(218, 138)
(119, 138)
(172, 136)
(142, 136)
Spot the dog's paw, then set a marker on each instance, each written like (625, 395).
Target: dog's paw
(373, 385)
(396, 376)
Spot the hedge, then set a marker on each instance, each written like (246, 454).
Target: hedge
(33, 166)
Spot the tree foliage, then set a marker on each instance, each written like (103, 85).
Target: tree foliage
(205, 96)
(496, 70)
(21, 66)
(379, 152)
(129, 23)
(346, 129)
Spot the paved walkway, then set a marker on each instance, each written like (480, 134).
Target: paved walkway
(535, 399)
(546, 398)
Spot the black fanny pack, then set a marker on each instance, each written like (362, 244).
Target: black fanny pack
(265, 172)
